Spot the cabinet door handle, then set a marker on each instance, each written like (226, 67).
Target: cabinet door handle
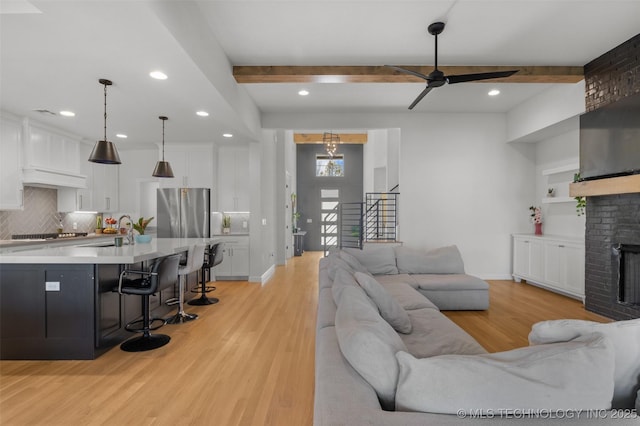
(561, 245)
(80, 202)
(108, 202)
(526, 242)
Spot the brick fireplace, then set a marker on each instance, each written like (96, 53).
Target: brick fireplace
(613, 220)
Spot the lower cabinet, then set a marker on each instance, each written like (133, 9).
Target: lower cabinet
(554, 262)
(235, 258)
(65, 311)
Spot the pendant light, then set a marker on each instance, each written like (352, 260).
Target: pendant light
(163, 168)
(105, 152)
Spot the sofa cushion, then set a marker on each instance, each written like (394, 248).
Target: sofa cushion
(352, 261)
(449, 282)
(326, 315)
(336, 263)
(435, 334)
(379, 260)
(369, 344)
(345, 279)
(571, 375)
(389, 308)
(396, 279)
(625, 336)
(443, 260)
(408, 297)
(454, 292)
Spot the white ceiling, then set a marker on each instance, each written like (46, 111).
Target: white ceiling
(53, 59)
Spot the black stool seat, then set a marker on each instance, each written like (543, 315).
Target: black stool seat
(163, 272)
(213, 257)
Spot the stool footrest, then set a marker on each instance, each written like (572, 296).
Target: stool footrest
(181, 317)
(207, 289)
(129, 326)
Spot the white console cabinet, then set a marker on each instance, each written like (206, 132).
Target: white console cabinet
(553, 262)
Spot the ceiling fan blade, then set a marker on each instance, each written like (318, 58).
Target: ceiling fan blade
(452, 79)
(420, 96)
(406, 71)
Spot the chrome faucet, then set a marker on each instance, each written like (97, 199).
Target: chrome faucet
(130, 238)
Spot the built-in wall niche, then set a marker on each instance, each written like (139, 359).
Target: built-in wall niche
(558, 180)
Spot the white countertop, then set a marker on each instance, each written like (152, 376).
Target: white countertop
(158, 247)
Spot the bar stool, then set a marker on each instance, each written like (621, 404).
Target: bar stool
(195, 259)
(163, 272)
(212, 258)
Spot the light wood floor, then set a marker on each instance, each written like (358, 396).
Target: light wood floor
(246, 361)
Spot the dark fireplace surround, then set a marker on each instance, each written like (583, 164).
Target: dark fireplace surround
(612, 221)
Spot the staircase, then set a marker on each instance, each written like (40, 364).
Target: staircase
(374, 220)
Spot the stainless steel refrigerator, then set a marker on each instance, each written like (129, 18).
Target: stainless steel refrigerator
(184, 212)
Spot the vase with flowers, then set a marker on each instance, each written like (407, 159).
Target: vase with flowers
(536, 218)
(141, 226)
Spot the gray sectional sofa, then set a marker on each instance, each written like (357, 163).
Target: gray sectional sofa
(432, 372)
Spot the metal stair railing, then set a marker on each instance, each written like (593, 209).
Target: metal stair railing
(381, 216)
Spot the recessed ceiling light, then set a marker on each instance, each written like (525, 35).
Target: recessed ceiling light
(68, 113)
(494, 92)
(303, 92)
(227, 135)
(203, 113)
(121, 136)
(158, 75)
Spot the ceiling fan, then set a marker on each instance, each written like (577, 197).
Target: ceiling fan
(437, 78)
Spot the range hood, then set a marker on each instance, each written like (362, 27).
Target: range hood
(48, 178)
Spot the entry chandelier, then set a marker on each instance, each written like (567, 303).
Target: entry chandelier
(163, 168)
(105, 152)
(331, 141)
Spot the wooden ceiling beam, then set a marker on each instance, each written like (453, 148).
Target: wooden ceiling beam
(355, 138)
(382, 74)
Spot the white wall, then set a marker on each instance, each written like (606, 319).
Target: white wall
(460, 183)
(558, 103)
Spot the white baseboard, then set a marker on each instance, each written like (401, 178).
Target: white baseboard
(264, 278)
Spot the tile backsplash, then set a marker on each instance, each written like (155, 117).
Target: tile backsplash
(40, 216)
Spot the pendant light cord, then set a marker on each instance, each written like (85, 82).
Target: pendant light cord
(163, 140)
(105, 112)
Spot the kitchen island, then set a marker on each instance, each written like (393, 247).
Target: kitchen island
(59, 303)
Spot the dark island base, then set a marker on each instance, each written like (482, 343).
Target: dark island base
(51, 311)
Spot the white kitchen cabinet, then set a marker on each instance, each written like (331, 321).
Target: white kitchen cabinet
(105, 187)
(101, 193)
(192, 167)
(235, 258)
(11, 190)
(233, 179)
(50, 149)
(554, 262)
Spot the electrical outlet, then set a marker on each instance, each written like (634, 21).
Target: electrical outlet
(52, 286)
(75, 226)
(244, 224)
(309, 221)
(264, 221)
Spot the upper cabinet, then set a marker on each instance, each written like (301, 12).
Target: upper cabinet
(192, 167)
(11, 190)
(233, 179)
(51, 157)
(101, 192)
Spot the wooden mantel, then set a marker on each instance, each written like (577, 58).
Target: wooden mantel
(609, 186)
